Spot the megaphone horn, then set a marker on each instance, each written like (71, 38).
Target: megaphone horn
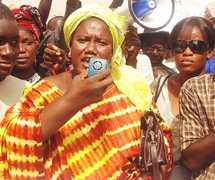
(149, 14)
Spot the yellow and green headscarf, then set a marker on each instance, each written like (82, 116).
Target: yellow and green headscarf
(127, 79)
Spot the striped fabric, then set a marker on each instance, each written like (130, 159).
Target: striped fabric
(94, 144)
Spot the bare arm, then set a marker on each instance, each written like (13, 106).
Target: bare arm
(71, 6)
(73, 3)
(44, 8)
(81, 92)
(55, 58)
(131, 46)
(200, 154)
(116, 3)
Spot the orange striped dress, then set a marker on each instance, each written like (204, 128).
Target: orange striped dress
(94, 144)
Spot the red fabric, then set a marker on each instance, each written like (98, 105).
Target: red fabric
(29, 17)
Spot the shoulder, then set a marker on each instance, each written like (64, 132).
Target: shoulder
(202, 79)
(18, 83)
(61, 81)
(198, 83)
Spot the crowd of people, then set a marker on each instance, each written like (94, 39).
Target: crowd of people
(58, 123)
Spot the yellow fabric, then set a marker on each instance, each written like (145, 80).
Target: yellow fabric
(128, 80)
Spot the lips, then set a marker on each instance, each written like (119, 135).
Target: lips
(85, 62)
(22, 60)
(6, 64)
(187, 61)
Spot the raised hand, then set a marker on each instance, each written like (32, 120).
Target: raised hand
(54, 58)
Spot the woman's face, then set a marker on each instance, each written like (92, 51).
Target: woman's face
(27, 50)
(188, 61)
(92, 38)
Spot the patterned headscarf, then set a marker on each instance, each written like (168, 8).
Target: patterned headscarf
(127, 79)
(29, 17)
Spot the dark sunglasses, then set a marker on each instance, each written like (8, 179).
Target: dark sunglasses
(196, 46)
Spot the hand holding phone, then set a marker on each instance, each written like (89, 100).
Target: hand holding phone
(97, 65)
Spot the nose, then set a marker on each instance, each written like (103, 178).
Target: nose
(91, 48)
(21, 47)
(187, 51)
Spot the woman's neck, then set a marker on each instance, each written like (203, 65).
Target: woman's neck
(23, 73)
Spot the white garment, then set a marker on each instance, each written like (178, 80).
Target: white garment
(11, 90)
(33, 79)
(144, 66)
(164, 106)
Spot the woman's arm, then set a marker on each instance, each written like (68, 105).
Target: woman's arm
(81, 91)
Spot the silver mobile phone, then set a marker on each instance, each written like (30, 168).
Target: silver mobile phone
(97, 65)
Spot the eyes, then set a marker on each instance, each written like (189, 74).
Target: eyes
(27, 42)
(14, 42)
(101, 42)
(158, 49)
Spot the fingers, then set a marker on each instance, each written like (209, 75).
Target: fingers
(101, 81)
(132, 28)
(90, 89)
(208, 15)
(54, 50)
(101, 75)
(54, 57)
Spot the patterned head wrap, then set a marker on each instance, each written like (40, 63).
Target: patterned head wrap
(127, 79)
(29, 17)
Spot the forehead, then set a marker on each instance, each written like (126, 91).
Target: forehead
(94, 22)
(193, 33)
(8, 28)
(154, 39)
(25, 30)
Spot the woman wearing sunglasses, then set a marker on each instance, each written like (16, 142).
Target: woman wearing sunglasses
(192, 39)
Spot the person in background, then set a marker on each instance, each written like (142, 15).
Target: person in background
(31, 33)
(55, 37)
(94, 131)
(197, 114)
(210, 65)
(155, 46)
(11, 87)
(54, 22)
(192, 40)
(131, 48)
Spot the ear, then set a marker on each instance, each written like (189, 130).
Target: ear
(210, 53)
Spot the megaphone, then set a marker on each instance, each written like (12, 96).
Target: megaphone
(148, 14)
